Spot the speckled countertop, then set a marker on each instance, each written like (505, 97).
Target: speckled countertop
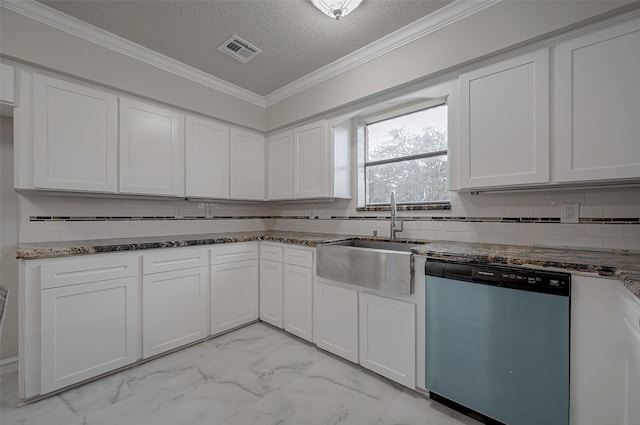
(621, 265)
(69, 248)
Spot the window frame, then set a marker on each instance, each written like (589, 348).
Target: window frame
(392, 114)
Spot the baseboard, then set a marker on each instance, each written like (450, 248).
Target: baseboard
(8, 365)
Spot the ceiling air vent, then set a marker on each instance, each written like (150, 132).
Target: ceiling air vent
(239, 49)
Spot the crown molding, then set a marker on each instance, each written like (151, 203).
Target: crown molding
(49, 16)
(453, 12)
(447, 15)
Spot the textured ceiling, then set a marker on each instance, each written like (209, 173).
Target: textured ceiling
(296, 39)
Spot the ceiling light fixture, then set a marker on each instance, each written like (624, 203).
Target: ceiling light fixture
(335, 8)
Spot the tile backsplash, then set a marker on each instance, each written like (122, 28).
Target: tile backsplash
(608, 219)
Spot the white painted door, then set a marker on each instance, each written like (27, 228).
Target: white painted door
(335, 320)
(280, 166)
(75, 137)
(311, 161)
(597, 352)
(234, 295)
(175, 309)
(298, 301)
(87, 329)
(504, 123)
(388, 338)
(151, 149)
(247, 165)
(207, 160)
(631, 326)
(271, 285)
(597, 102)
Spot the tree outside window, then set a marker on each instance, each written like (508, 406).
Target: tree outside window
(408, 154)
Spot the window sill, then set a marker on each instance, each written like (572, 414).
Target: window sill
(408, 207)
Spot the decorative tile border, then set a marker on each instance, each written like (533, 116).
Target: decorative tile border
(424, 207)
(587, 220)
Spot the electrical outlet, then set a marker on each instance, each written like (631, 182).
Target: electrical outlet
(569, 213)
(311, 214)
(179, 211)
(209, 211)
(324, 215)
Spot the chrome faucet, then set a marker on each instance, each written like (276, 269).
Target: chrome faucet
(395, 228)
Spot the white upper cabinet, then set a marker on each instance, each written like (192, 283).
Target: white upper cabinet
(75, 144)
(597, 96)
(247, 165)
(504, 123)
(310, 162)
(151, 149)
(207, 160)
(311, 158)
(280, 166)
(7, 83)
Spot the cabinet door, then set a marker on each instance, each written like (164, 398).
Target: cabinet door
(75, 137)
(298, 301)
(151, 149)
(597, 104)
(247, 165)
(175, 309)
(7, 84)
(280, 166)
(311, 161)
(388, 338)
(271, 283)
(234, 295)
(504, 123)
(87, 330)
(597, 352)
(207, 161)
(335, 320)
(631, 326)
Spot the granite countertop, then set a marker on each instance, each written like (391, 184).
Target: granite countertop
(40, 250)
(621, 265)
(624, 266)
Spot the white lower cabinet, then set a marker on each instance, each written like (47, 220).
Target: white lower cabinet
(298, 300)
(631, 330)
(175, 309)
(271, 285)
(86, 330)
(335, 320)
(388, 338)
(234, 286)
(597, 352)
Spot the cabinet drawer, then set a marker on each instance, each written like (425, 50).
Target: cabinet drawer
(173, 259)
(631, 313)
(229, 253)
(298, 257)
(65, 272)
(271, 253)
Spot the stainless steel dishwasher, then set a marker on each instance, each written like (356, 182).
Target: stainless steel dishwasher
(497, 342)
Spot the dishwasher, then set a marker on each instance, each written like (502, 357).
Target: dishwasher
(497, 342)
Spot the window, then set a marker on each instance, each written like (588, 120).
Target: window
(407, 153)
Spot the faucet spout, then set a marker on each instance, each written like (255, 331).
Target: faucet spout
(394, 227)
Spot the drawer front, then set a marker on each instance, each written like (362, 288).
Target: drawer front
(298, 257)
(232, 252)
(631, 313)
(167, 260)
(271, 253)
(95, 268)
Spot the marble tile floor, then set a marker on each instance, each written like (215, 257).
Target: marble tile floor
(255, 375)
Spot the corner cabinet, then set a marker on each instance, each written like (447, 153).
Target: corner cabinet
(247, 165)
(151, 149)
(597, 103)
(207, 158)
(75, 139)
(312, 161)
(504, 123)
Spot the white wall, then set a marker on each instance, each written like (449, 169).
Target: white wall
(8, 240)
(33, 42)
(488, 32)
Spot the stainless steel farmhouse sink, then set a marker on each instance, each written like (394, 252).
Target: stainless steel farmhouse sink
(381, 265)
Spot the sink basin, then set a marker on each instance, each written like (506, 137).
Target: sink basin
(380, 265)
